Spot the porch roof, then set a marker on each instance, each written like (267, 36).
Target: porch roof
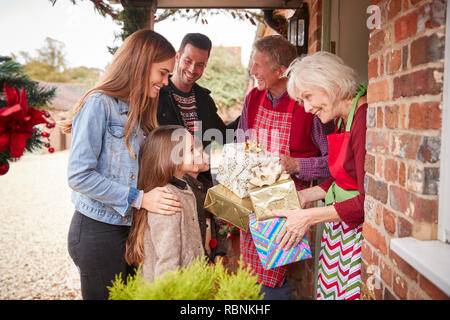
(219, 4)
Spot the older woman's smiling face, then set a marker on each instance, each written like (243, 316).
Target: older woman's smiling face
(317, 102)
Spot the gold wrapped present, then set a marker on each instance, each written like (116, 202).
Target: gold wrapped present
(226, 205)
(281, 195)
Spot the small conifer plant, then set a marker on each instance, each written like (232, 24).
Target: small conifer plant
(199, 281)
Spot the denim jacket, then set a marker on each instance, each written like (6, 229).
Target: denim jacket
(101, 171)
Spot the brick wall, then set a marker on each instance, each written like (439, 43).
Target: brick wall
(406, 62)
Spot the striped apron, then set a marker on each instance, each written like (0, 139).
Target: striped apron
(339, 274)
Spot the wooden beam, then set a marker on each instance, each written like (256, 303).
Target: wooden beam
(326, 26)
(224, 4)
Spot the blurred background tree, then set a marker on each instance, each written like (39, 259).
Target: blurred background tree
(49, 65)
(225, 76)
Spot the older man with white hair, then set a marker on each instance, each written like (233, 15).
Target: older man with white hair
(281, 125)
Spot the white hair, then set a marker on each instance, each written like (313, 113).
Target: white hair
(324, 71)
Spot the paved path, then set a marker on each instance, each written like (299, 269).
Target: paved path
(35, 214)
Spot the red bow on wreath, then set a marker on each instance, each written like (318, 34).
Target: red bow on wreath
(17, 121)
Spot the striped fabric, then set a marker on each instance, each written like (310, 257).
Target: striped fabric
(339, 276)
(188, 110)
(264, 234)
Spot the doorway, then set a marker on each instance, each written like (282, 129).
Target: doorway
(349, 35)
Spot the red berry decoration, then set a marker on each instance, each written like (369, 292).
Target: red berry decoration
(51, 150)
(45, 134)
(4, 168)
(213, 243)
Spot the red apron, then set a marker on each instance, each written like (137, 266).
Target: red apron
(273, 132)
(276, 141)
(339, 275)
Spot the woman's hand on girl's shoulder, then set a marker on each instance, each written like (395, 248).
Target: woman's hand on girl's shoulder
(161, 201)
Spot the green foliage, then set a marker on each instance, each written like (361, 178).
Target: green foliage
(199, 281)
(225, 76)
(13, 74)
(83, 75)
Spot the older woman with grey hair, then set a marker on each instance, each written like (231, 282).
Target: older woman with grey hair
(328, 88)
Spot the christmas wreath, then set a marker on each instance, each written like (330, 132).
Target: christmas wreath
(19, 130)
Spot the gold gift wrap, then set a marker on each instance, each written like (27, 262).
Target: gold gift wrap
(281, 195)
(226, 205)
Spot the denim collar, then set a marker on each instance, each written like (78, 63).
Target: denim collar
(123, 106)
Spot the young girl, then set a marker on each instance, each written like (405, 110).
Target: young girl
(108, 127)
(160, 242)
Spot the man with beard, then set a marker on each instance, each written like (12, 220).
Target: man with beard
(183, 101)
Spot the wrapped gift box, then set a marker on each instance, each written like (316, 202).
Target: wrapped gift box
(281, 195)
(226, 205)
(236, 164)
(264, 234)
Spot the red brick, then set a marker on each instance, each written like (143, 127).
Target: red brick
(423, 116)
(405, 55)
(377, 189)
(391, 170)
(373, 68)
(391, 114)
(414, 2)
(405, 5)
(377, 142)
(403, 115)
(400, 287)
(378, 91)
(394, 61)
(417, 83)
(425, 209)
(386, 272)
(402, 174)
(423, 179)
(406, 145)
(379, 212)
(389, 221)
(369, 164)
(400, 199)
(377, 42)
(380, 116)
(366, 253)
(379, 167)
(374, 237)
(429, 149)
(404, 227)
(405, 27)
(381, 70)
(427, 49)
(432, 15)
(394, 8)
(434, 292)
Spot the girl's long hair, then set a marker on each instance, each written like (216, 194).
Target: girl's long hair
(156, 168)
(127, 78)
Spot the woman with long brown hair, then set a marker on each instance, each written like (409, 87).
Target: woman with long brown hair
(161, 242)
(108, 127)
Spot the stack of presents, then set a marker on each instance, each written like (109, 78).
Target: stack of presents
(252, 183)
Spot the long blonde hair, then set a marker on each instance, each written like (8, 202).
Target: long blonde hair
(156, 169)
(127, 78)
